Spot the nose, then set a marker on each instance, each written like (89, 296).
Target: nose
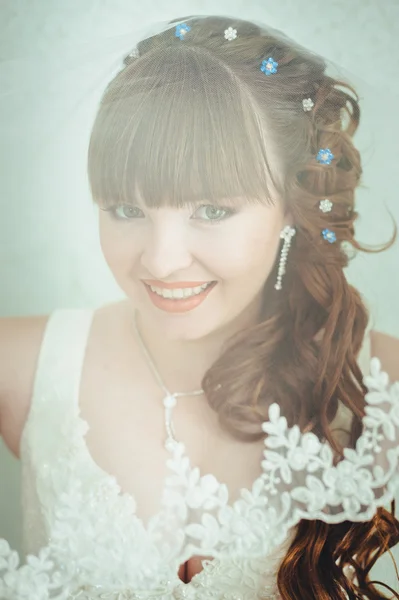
(166, 250)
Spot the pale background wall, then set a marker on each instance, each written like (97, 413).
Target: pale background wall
(49, 253)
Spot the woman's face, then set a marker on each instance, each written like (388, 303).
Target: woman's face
(178, 250)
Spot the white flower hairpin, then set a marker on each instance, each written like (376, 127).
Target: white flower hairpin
(134, 53)
(325, 205)
(307, 104)
(230, 34)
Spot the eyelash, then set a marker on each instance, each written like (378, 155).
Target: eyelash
(229, 213)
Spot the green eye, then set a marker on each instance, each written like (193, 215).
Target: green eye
(126, 211)
(213, 213)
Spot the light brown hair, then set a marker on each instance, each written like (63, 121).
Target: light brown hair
(197, 119)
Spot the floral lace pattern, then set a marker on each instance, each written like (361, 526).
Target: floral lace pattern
(98, 547)
(364, 479)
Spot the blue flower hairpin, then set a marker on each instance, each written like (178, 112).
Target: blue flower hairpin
(181, 30)
(329, 235)
(269, 66)
(324, 156)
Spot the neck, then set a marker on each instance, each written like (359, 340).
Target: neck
(182, 364)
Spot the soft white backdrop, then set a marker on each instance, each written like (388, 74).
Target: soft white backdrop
(49, 252)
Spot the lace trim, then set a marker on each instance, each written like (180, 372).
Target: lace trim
(361, 478)
(38, 580)
(299, 480)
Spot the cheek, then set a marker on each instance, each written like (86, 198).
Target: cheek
(248, 253)
(116, 246)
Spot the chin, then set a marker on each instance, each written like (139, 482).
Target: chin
(186, 326)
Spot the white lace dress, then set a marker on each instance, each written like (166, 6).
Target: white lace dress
(85, 539)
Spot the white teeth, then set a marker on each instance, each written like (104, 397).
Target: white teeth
(180, 293)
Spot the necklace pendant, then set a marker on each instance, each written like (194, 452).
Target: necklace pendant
(170, 444)
(169, 401)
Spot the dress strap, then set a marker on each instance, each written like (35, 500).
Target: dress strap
(61, 355)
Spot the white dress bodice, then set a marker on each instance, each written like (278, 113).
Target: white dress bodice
(87, 540)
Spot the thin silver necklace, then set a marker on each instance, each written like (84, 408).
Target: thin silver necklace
(170, 399)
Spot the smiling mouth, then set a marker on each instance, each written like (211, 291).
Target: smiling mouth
(179, 299)
(179, 291)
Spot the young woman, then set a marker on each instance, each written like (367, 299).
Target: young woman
(210, 436)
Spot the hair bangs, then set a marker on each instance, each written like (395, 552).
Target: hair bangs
(165, 131)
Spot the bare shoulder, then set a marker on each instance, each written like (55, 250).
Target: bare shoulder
(386, 348)
(20, 341)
